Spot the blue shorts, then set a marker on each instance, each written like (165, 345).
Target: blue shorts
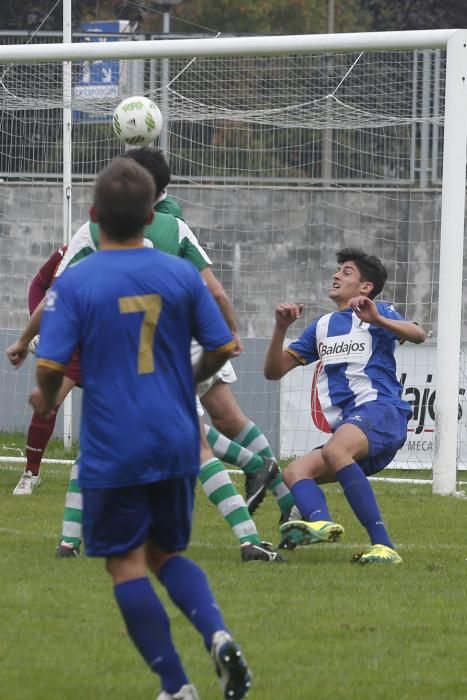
(116, 521)
(385, 427)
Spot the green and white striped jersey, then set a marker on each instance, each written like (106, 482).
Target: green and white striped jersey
(166, 233)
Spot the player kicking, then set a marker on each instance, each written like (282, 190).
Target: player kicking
(132, 311)
(360, 396)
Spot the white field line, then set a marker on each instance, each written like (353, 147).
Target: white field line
(6, 462)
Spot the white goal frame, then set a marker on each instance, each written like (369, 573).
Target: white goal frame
(454, 41)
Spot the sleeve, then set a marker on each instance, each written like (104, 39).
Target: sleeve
(190, 248)
(304, 349)
(388, 311)
(60, 326)
(209, 326)
(80, 246)
(43, 279)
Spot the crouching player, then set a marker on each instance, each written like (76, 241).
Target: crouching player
(360, 397)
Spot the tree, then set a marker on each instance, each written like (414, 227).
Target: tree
(415, 14)
(271, 16)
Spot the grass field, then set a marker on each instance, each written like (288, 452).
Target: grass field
(317, 627)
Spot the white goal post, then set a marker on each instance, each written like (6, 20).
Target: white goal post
(451, 239)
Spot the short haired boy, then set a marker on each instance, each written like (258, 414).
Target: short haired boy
(133, 311)
(360, 397)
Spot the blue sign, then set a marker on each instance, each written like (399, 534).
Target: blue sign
(99, 80)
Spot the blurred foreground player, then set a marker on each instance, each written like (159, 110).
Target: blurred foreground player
(132, 311)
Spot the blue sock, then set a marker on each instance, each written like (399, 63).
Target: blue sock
(149, 628)
(362, 500)
(188, 587)
(310, 500)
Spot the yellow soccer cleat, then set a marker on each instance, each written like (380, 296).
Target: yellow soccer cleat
(295, 533)
(377, 554)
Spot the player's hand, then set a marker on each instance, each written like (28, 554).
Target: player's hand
(365, 309)
(17, 353)
(37, 401)
(286, 314)
(239, 347)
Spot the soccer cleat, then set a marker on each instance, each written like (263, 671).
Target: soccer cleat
(66, 550)
(186, 692)
(290, 514)
(256, 483)
(32, 345)
(260, 552)
(377, 554)
(295, 533)
(26, 484)
(231, 667)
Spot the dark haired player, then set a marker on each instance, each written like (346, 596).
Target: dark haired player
(360, 397)
(133, 311)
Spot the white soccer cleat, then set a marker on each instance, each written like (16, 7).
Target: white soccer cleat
(186, 692)
(26, 484)
(32, 346)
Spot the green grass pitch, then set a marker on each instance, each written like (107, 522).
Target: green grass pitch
(317, 627)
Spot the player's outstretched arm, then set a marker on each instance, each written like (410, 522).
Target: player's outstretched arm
(278, 362)
(18, 352)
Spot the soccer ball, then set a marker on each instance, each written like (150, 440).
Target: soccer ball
(137, 121)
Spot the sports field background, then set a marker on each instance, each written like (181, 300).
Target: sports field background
(317, 627)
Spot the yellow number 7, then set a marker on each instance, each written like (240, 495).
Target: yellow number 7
(151, 305)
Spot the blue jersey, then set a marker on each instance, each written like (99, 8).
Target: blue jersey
(357, 362)
(132, 314)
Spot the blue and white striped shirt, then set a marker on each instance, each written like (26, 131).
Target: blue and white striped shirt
(356, 358)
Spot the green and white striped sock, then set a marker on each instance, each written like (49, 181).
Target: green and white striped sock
(253, 438)
(229, 451)
(73, 513)
(218, 487)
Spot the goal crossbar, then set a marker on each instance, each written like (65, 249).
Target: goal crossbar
(229, 46)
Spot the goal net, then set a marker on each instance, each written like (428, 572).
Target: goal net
(278, 162)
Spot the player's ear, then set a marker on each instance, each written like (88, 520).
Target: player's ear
(150, 218)
(367, 288)
(93, 214)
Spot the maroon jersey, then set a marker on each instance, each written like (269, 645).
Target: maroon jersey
(43, 278)
(37, 289)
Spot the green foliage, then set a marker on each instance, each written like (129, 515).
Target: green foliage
(271, 16)
(416, 14)
(315, 627)
(247, 16)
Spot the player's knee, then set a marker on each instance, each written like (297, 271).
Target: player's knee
(127, 567)
(333, 455)
(288, 477)
(230, 423)
(157, 558)
(293, 473)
